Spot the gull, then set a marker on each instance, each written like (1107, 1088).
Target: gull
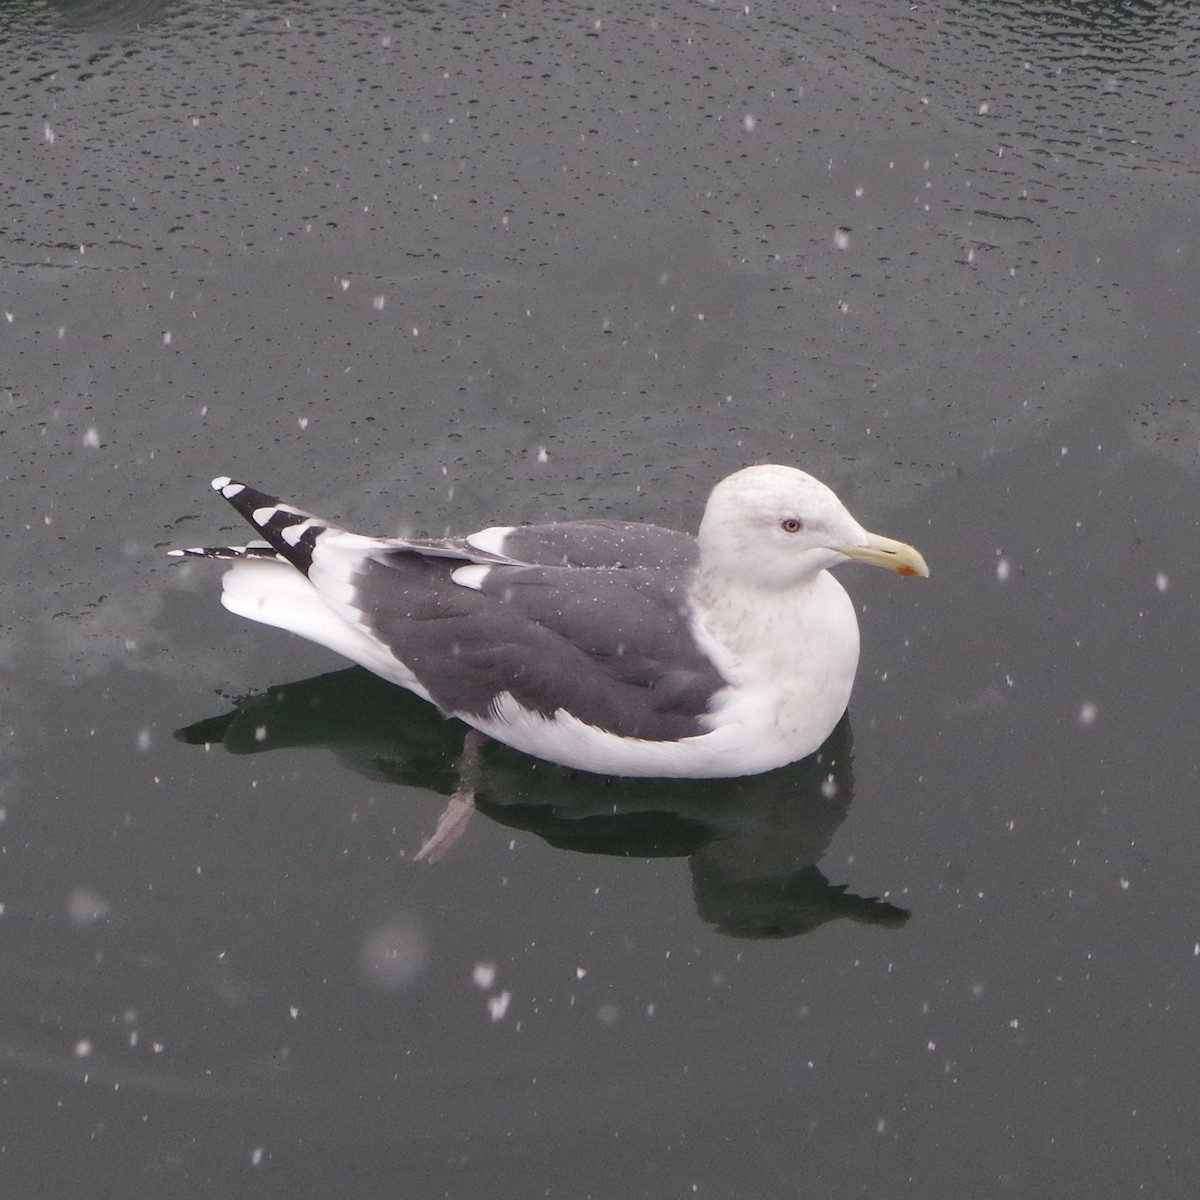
(607, 646)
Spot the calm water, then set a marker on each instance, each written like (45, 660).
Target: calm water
(431, 268)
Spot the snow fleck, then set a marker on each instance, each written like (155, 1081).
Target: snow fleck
(91, 438)
(257, 1156)
(260, 733)
(394, 953)
(1161, 581)
(498, 1005)
(1003, 570)
(85, 907)
(83, 1048)
(749, 121)
(143, 739)
(379, 303)
(841, 239)
(1087, 714)
(302, 422)
(580, 972)
(484, 974)
(166, 337)
(48, 133)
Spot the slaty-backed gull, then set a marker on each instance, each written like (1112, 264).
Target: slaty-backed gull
(613, 647)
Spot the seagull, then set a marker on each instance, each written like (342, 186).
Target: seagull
(613, 647)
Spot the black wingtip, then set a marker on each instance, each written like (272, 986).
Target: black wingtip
(243, 497)
(291, 532)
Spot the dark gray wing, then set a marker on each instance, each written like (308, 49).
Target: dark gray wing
(569, 544)
(613, 647)
(601, 544)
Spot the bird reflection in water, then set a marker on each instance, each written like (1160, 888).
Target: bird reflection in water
(753, 844)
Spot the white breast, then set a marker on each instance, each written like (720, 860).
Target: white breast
(791, 659)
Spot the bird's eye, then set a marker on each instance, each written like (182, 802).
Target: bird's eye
(791, 525)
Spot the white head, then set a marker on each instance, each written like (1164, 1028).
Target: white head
(775, 527)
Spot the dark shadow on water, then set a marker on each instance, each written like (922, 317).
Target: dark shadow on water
(753, 844)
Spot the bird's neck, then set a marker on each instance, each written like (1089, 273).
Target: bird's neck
(749, 619)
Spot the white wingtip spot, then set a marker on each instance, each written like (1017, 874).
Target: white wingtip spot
(220, 482)
(261, 516)
(176, 553)
(293, 533)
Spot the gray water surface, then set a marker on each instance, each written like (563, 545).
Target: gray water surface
(428, 267)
